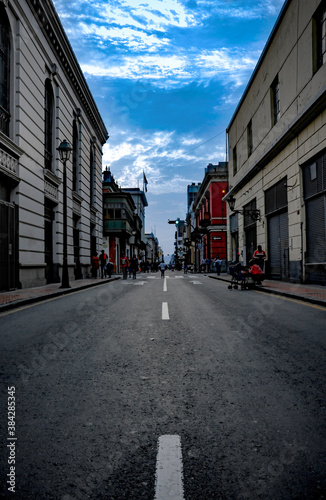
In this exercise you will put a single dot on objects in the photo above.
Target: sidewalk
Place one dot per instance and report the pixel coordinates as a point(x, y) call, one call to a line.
point(315, 294)
point(18, 298)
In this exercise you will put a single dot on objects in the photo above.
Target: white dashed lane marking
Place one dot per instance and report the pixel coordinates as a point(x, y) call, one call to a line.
point(169, 470)
point(165, 311)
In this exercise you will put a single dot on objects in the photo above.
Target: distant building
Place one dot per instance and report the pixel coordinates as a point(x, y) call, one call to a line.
point(192, 190)
point(210, 232)
point(140, 201)
point(277, 151)
point(119, 221)
point(123, 221)
point(152, 248)
point(44, 99)
point(190, 250)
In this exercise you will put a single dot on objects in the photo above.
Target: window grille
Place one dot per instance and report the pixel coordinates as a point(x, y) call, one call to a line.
point(275, 90)
point(320, 20)
point(249, 138)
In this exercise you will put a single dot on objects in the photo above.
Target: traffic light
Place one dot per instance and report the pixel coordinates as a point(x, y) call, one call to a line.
point(177, 221)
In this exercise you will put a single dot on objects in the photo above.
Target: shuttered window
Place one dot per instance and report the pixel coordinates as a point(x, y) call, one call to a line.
point(276, 197)
point(314, 184)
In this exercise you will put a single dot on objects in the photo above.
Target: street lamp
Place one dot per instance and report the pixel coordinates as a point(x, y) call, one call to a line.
point(254, 214)
point(64, 153)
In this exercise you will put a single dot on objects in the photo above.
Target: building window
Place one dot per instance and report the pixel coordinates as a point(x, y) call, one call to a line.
point(75, 150)
point(275, 100)
point(4, 71)
point(235, 160)
point(276, 197)
point(319, 31)
point(48, 125)
point(92, 175)
point(249, 138)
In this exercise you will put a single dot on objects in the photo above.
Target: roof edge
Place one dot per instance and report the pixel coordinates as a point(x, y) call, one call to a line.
point(260, 60)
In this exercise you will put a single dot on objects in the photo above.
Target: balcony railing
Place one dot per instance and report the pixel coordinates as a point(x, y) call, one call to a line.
point(116, 225)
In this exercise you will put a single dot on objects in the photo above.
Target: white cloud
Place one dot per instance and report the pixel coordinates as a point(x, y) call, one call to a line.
point(245, 9)
point(226, 60)
point(177, 70)
point(149, 67)
point(125, 36)
point(153, 15)
point(191, 141)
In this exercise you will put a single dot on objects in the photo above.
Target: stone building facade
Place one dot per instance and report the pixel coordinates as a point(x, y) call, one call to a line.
point(44, 99)
point(277, 150)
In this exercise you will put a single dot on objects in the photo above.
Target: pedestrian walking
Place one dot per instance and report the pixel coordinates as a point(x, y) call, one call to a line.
point(134, 266)
point(128, 269)
point(124, 266)
point(103, 259)
point(95, 263)
point(218, 264)
point(109, 268)
point(162, 268)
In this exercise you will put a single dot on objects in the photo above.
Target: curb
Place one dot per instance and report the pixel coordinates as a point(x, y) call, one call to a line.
point(281, 293)
point(39, 298)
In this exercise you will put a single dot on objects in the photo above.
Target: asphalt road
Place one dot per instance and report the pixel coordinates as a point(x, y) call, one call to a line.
point(100, 375)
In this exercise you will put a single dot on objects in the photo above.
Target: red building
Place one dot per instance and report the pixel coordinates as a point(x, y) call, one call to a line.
point(210, 213)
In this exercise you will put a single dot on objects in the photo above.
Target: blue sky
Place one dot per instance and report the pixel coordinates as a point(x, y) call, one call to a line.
point(167, 76)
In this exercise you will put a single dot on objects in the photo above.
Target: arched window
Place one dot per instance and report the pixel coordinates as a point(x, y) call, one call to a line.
point(4, 71)
point(75, 156)
point(48, 125)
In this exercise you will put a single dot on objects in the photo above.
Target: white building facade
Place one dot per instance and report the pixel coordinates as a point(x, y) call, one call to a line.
point(277, 151)
point(44, 99)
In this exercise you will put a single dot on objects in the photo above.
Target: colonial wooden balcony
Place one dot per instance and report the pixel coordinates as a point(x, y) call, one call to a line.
point(116, 226)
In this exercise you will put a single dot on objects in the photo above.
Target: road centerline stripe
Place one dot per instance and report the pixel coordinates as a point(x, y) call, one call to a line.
point(165, 287)
point(169, 470)
point(165, 311)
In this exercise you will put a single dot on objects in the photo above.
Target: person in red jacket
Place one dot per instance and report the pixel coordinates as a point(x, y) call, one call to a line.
point(260, 256)
point(95, 265)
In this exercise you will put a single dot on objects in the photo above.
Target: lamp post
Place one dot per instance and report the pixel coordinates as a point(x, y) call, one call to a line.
point(254, 214)
point(64, 153)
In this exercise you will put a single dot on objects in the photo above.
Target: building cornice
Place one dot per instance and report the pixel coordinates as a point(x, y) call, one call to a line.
point(261, 58)
point(50, 24)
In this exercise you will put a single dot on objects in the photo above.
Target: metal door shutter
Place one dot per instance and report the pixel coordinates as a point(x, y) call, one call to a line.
point(316, 230)
point(284, 244)
point(278, 251)
point(274, 248)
